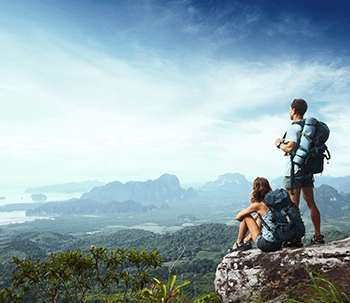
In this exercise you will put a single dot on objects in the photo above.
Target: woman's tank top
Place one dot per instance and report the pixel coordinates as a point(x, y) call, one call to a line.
point(267, 217)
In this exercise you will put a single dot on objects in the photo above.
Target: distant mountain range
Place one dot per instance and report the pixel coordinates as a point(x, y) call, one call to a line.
point(164, 189)
point(342, 184)
point(116, 197)
point(330, 202)
point(236, 185)
point(225, 184)
point(230, 184)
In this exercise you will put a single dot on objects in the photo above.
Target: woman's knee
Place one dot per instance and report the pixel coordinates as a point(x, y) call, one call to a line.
point(248, 217)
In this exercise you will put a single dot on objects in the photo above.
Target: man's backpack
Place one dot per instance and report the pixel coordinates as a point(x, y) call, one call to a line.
point(288, 224)
point(312, 149)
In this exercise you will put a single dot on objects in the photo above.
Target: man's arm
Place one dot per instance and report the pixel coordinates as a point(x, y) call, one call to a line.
point(288, 142)
point(286, 147)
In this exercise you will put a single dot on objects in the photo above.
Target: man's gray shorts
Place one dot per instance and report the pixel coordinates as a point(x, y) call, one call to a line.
point(301, 179)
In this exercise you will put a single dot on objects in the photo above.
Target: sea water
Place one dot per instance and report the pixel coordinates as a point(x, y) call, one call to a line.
point(17, 196)
point(9, 217)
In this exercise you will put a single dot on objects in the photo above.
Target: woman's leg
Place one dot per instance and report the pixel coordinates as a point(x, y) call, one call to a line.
point(252, 226)
point(248, 224)
point(249, 236)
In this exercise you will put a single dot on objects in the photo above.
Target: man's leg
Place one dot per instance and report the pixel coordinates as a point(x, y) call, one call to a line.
point(308, 194)
point(287, 184)
point(295, 197)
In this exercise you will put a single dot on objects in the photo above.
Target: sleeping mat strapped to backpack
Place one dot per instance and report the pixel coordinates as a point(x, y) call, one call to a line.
point(312, 148)
point(288, 223)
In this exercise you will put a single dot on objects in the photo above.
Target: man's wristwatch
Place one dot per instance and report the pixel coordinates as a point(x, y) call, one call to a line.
point(279, 144)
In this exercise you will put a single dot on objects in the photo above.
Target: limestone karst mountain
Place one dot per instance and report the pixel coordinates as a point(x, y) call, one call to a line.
point(164, 189)
point(331, 203)
point(230, 184)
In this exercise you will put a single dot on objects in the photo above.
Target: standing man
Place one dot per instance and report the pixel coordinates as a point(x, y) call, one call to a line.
point(302, 181)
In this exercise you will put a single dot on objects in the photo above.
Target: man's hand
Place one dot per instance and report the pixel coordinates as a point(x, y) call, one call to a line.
point(278, 142)
point(286, 147)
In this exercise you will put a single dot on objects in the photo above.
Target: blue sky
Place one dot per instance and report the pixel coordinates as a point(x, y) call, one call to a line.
point(129, 90)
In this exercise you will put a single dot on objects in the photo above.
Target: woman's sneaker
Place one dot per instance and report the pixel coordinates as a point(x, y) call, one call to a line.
point(317, 240)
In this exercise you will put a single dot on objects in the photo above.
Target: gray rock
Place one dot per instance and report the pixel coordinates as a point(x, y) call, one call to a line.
point(272, 274)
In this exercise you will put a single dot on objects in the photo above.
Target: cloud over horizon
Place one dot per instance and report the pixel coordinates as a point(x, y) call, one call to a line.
point(114, 91)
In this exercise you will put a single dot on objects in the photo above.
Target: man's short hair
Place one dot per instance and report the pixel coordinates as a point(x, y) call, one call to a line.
point(300, 106)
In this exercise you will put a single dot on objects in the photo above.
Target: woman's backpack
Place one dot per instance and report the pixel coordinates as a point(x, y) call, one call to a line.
point(288, 224)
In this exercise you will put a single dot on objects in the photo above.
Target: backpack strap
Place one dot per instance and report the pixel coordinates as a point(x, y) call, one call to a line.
point(292, 176)
point(263, 221)
point(265, 224)
point(265, 204)
point(302, 124)
point(327, 154)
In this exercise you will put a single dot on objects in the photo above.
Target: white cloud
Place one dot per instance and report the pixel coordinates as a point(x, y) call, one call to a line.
point(73, 114)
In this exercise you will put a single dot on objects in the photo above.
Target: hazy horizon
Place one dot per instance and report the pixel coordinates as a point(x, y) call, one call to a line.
point(184, 185)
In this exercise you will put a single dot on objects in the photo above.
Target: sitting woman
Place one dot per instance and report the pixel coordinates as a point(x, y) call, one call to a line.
point(261, 236)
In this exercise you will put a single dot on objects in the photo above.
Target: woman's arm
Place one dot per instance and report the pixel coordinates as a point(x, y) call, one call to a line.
point(251, 209)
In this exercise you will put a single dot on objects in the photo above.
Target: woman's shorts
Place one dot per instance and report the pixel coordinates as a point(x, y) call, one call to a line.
point(265, 245)
point(301, 179)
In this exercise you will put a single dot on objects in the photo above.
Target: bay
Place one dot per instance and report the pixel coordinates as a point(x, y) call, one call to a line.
point(10, 217)
point(18, 195)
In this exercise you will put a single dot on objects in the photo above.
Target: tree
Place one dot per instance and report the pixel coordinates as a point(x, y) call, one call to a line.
point(72, 276)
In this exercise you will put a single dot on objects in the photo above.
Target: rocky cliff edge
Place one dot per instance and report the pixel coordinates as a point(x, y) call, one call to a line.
point(269, 275)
